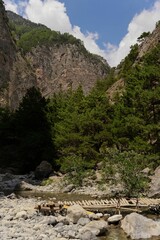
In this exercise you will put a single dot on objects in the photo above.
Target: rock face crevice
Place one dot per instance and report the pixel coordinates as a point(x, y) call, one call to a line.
point(51, 68)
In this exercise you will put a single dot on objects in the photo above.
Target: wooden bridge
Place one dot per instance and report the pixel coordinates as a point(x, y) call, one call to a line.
point(114, 203)
point(132, 204)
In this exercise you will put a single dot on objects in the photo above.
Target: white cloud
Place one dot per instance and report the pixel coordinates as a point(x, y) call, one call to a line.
point(53, 14)
point(143, 22)
point(11, 5)
point(89, 40)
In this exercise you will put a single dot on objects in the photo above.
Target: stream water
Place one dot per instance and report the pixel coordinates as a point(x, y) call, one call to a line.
point(114, 232)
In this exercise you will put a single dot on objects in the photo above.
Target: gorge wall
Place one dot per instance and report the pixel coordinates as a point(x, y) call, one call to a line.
point(51, 68)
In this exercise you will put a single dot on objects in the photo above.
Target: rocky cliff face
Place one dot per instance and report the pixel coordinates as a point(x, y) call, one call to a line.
point(150, 42)
point(7, 56)
point(51, 68)
point(63, 67)
point(14, 69)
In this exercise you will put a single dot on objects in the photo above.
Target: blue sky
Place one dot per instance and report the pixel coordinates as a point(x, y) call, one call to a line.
point(110, 18)
point(107, 27)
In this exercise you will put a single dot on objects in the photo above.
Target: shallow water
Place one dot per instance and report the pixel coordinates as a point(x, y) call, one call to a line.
point(115, 233)
point(58, 197)
point(118, 234)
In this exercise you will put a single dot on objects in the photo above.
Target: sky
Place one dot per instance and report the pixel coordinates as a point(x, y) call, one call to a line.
point(107, 27)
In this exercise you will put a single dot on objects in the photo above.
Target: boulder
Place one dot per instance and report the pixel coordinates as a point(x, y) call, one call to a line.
point(7, 177)
point(146, 171)
point(24, 186)
point(96, 228)
point(12, 196)
point(115, 218)
point(1, 194)
point(43, 170)
point(69, 188)
point(75, 212)
point(83, 221)
point(137, 226)
point(22, 214)
point(87, 235)
point(154, 190)
point(93, 216)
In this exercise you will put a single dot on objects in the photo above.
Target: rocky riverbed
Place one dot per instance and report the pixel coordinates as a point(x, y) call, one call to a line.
point(19, 219)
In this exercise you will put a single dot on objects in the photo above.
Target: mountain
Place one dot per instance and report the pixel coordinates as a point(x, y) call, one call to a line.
point(33, 55)
point(7, 54)
point(148, 42)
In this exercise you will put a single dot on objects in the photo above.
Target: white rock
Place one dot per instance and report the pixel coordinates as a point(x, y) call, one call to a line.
point(99, 215)
point(138, 226)
point(83, 221)
point(92, 216)
point(97, 228)
point(115, 218)
point(75, 212)
point(154, 190)
point(22, 214)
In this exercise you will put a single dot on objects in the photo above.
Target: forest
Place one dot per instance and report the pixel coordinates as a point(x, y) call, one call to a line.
point(75, 132)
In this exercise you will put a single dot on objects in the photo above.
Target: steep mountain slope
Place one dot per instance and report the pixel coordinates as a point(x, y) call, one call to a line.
point(149, 42)
point(14, 69)
point(43, 58)
point(7, 55)
point(136, 57)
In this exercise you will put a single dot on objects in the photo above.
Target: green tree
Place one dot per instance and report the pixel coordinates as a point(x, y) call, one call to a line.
point(33, 131)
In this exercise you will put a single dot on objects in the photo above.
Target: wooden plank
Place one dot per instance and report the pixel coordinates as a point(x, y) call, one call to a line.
point(97, 207)
point(106, 201)
point(133, 201)
point(131, 209)
point(79, 203)
point(89, 201)
point(86, 202)
point(144, 201)
point(125, 201)
point(102, 202)
point(113, 201)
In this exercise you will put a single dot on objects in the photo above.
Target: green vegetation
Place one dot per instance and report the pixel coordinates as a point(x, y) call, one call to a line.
point(143, 36)
point(42, 36)
point(25, 135)
point(28, 35)
point(75, 132)
point(129, 166)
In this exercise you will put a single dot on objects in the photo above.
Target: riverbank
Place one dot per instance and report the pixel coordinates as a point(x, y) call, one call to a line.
point(93, 185)
point(58, 184)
